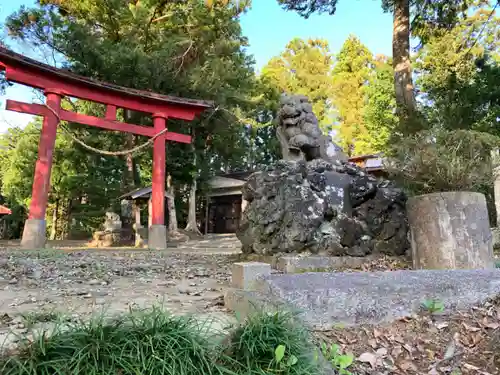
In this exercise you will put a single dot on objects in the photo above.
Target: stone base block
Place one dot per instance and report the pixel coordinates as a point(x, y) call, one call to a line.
point(106, 239)
point(157, 237)
point(247, 273)
point(326, 300)
point(245, 302)
point(141, 236)
point(34, 234)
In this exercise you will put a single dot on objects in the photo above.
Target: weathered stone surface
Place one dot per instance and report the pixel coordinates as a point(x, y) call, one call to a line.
point(327, 299)
point(314, 200)
point(141, 236)
point(299, 134)
point(245, 274)
point(34, 234)
point(112, 222)
point(450, 231)
point(300, 264)
point(157, 237)
point(316, 206)
point(106, 239)
point(112, 233)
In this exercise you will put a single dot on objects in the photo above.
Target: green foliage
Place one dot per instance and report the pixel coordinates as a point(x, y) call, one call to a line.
point(351, 75)
point(458, 74)
point(440, 160)
point(272, 343)
point(307, 7)
point(353, 89)
point(435, 18)
point(380, 109)
point(433, 306)
point(282, 363)
point(364, 99)
point(340, 362)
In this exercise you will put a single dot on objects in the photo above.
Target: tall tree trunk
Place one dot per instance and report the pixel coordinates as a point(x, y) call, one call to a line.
point(53, 229)
point(173, 226)
point(69, 220)
point(403, 83)
point(128, 177)
point(192, 225)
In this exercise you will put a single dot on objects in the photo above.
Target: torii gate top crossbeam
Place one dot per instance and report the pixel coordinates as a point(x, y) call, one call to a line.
point(26, 71)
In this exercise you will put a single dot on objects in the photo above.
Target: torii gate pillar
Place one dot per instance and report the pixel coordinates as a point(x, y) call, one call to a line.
point(157, 236)
point(35, 226)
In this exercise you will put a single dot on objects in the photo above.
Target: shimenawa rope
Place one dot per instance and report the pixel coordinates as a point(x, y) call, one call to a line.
point(105, 152)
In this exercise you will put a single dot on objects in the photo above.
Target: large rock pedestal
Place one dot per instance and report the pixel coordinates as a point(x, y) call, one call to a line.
point(324, 208)
point(450, 231)
point(106, 239)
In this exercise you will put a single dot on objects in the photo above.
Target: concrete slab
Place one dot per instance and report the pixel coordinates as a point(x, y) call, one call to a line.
point(328, 299)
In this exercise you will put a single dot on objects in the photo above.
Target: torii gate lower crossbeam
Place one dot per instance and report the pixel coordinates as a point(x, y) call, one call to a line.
point(57, 84)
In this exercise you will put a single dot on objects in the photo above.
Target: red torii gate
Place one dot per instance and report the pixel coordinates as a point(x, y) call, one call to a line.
point(57, 84)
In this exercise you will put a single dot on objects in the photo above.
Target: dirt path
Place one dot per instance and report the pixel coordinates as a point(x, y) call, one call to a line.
point(39, 286)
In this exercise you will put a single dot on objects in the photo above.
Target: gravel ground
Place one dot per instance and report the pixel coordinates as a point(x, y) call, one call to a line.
point(40, 287)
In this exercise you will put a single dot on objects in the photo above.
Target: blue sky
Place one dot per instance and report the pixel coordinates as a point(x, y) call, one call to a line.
point(268, 28)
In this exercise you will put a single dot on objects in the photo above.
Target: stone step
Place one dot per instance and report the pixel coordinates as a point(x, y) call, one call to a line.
point(326, 300)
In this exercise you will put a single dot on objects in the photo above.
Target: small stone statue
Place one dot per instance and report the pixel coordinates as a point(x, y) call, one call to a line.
point(112, 222)
point(299, 134)
point(111, 234)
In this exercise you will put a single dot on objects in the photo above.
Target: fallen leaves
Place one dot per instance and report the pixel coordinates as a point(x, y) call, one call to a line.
point(370, 358)
point(462, 343)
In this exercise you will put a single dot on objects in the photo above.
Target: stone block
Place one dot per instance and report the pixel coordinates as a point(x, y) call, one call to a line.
point(157, 237)
point(301, 264)
point(141, 236)
point(34, 234)
point(245, 274)
point(327, 299)
point(450, 230)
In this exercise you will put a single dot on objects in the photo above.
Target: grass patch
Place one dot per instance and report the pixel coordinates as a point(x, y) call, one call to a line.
point(137, 343)
point(272, 344)
point(33, 317)
point(153, 342)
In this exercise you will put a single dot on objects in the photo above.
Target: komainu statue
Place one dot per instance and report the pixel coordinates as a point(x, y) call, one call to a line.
point(299, 133)
point(314, 200)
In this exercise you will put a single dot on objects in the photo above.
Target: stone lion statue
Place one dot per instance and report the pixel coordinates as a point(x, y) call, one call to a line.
point(299, 134)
